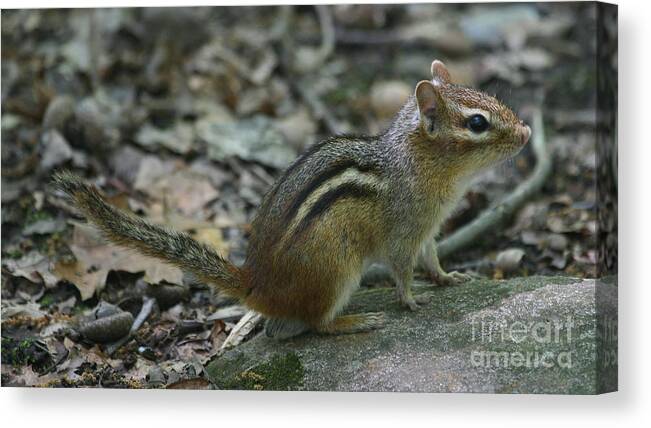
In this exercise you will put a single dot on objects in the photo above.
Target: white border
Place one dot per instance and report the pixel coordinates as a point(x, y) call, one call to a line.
point(630, 406)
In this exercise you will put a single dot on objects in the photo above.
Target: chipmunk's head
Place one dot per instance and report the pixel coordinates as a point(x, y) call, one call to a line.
point(472, 126)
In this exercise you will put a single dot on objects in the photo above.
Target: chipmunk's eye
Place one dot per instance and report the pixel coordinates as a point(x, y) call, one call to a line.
point(477, 123)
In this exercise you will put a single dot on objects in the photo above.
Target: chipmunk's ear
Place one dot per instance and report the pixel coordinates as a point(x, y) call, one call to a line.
point(429, 99)
point(440, 72)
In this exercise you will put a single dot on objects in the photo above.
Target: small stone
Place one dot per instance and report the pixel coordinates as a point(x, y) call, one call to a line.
point(125, 161)
point(90, 120)
point(388, 97)
point(557, 242)
point(529, 237)
point(45, 227)
point(56, 150)
point(509, 260)
point(491, 26)
point(298, 128)
point(559, 262)
point(58, 111)
point(107, 329)
point(168, 295)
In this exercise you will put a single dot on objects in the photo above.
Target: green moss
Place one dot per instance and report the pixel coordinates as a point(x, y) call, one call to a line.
point(33, 216)
point(13, 254)
point(24, 352)
point(81, 307)
point(46, 300)
point(281, 373)
point(337, 96)
point(452, 303)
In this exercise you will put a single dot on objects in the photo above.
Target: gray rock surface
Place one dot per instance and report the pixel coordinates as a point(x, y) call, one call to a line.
point(524, 335)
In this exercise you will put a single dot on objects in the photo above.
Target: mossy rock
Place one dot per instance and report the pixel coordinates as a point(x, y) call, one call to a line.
point(282, 372)
point(524, 335)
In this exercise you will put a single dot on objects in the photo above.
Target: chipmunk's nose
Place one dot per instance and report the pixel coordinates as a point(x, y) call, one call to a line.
point(526, 134)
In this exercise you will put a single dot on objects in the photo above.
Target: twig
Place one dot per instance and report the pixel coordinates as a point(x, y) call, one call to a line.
point(373, 38)
point(287, 59)
point(145, 310)
point(497, 215)
point(147, 306)
point(94, 48)
point(438, 37)
point(281, 23)
point(244, 326)
point(308, 60)
point(327, 31)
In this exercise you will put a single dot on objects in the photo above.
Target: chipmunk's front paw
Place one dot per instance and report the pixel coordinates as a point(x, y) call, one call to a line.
point(451, 278)
point(414, 302)
point(423, 299)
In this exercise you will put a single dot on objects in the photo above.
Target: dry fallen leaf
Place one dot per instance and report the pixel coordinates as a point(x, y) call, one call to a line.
point(140, 369)
point(22, 376)
point(96, 258)
point(151, 170)
point(29, 309)
point(32, 266)
point(185, 190)
point(157, 212)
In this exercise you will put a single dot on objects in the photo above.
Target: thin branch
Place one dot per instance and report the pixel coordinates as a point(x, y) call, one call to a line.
point(282, 22)
point(244, 326)
point(288, 60)
point(327, 30)
point(145, 311)
point(147, 306)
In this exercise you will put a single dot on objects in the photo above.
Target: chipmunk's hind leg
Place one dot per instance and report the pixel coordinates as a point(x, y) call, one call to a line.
point(356, 323)
point(284, 329)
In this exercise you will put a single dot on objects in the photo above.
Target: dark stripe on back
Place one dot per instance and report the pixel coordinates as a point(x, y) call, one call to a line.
point(308, 153)
point(318, 180)
point(299, 161)
point(270, 196)
point(328, 199)
point(316, 147)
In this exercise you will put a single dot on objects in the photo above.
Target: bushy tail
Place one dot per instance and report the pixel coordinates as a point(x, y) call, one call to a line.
point(171, 246)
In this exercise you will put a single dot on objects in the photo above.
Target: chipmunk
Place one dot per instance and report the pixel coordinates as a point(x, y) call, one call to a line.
point(344, 203)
